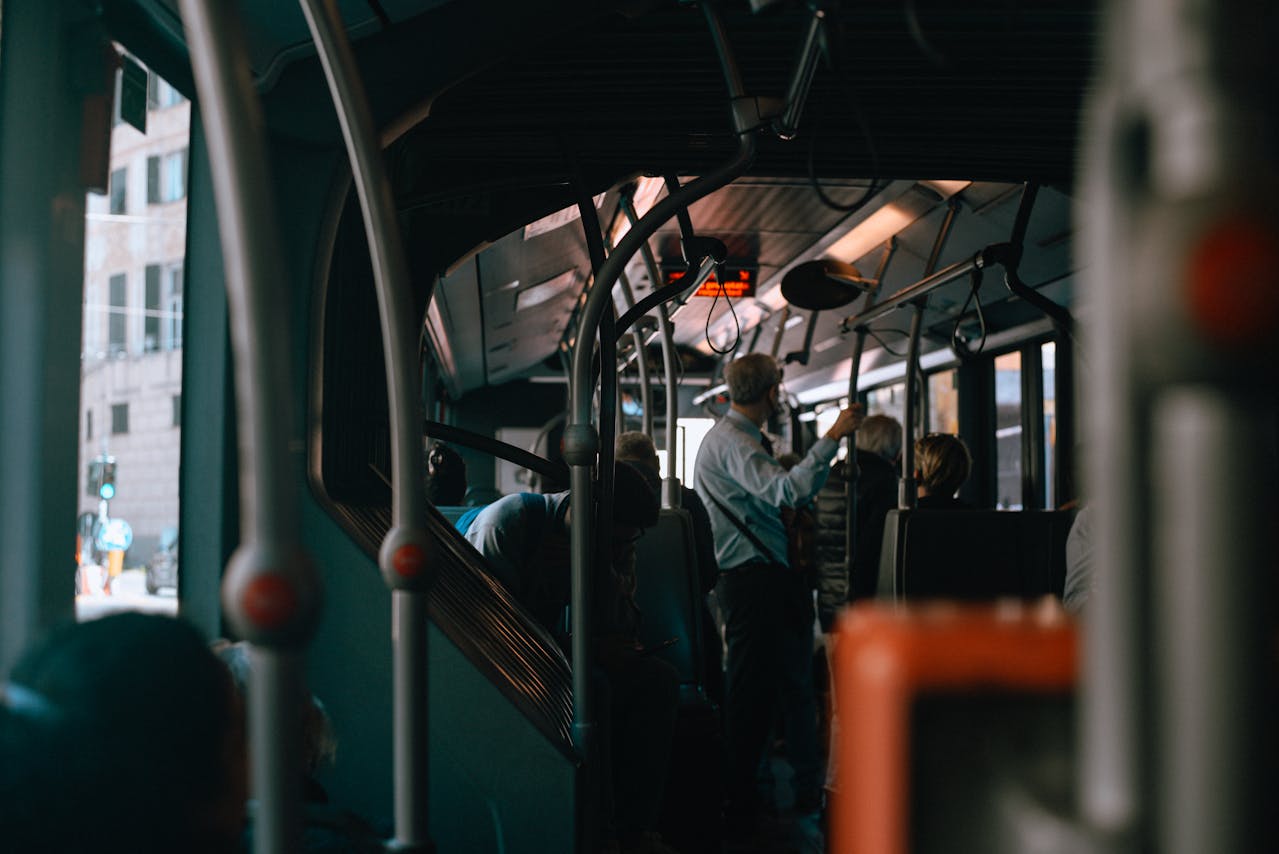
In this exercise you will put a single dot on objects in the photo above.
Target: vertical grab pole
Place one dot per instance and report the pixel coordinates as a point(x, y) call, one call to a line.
point(641, 356)
point(271, 592)
point(906, 485)
point(581, 440)
point(906, 488)
point(404, 557)
point(852, 471)
point(670, 487)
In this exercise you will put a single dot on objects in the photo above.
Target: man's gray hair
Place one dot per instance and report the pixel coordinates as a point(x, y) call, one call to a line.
point(880, 434)
point(636, 447)
point(750, 377)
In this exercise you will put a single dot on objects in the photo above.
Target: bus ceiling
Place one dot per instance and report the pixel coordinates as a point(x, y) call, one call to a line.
point(485, 143)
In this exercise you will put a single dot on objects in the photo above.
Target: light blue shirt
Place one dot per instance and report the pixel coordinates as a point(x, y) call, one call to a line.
point(509, 531)
point(733, 468)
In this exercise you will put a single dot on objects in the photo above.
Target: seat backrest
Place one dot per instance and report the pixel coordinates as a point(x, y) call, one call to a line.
point(973, 554)
point(667, 594)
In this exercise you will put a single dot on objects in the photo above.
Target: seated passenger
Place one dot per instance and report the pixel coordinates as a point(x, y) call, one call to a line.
point(139, 717)
point(942, 464)
point(445, 476)
point(525, 538)
point(327, 828)
point(638, 450)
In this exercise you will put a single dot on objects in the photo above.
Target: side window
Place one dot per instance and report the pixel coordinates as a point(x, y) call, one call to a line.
point(1008, 431)
point(131, 370)
point(888, 400)
point(1048, 356)
point(119, 419)
point(118, 189)
point(118, 314)
point(151, 320)
point(943, 402)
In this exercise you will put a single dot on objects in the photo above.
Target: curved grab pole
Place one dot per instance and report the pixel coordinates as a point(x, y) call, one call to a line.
point(670, 486)
point(404, 557)
point(641, 357)
point(271, 591)
point(906, 487)
point(581, 441)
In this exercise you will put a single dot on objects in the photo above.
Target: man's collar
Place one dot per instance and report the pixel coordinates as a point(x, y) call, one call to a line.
point(741, 421)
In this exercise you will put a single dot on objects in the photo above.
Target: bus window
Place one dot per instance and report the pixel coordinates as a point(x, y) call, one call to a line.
point(691, 432)
point(1008, 431)
point(943, 402)
point(888, 400)
point(1048, 355)
point(131, 368)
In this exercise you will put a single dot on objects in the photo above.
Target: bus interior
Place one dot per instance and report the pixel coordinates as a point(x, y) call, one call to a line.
point(1048, 227)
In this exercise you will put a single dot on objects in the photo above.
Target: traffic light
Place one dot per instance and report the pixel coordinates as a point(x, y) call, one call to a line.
point(106, 489)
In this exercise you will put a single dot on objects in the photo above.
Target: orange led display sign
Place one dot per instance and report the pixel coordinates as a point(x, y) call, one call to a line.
point(733, 282)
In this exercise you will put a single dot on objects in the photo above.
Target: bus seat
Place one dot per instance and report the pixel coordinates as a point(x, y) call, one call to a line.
point(668, 596)
point(973, 555)
point(960, 722)
point(478, 496)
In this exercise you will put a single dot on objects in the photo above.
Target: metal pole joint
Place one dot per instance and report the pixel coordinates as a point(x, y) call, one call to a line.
point(581, 444)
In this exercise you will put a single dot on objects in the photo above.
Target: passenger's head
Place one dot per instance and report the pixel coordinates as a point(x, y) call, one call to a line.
point(882, 435)
point(753, 379)
point(318, 742)
point(635, 507)
point(637, 449)
point(152, 715)
point(942, 464)
point(635, 504)
point(445, 476)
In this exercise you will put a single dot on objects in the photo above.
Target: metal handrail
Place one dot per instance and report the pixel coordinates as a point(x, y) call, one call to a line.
point(851, 469)
point(670, 487)
point(404, 557)
point(581, 441)
point(641, 357)
point(992, 254)
point(271, 591)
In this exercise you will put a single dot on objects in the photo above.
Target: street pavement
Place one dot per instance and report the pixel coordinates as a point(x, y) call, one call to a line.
point(128, 593)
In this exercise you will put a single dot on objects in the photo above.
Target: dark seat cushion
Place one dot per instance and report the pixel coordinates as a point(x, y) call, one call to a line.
point(973, 554)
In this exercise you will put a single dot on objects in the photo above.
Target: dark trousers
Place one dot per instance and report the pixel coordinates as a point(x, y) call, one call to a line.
point(637, 697)
point(768, 614)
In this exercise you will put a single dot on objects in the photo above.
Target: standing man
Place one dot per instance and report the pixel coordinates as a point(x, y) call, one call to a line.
point(768, 607)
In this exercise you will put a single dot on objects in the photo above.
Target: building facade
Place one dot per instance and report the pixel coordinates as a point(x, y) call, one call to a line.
point(131, 354)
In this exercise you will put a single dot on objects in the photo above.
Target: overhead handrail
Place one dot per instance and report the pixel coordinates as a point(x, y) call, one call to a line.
point(552, 469)
point(581, 441)
point(801, 81)
point(1059, 314)
point(404, 557)
point(271, 591)
point(670, 486)
point(996, 253)
point(662, 295)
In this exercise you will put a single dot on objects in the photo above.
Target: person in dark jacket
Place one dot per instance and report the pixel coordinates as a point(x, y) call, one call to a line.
point(878, 447)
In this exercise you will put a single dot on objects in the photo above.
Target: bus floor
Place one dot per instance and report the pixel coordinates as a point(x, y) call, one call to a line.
point(783, 831)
